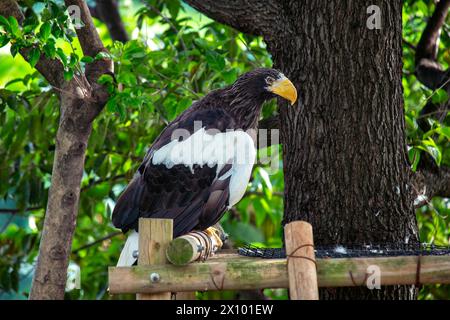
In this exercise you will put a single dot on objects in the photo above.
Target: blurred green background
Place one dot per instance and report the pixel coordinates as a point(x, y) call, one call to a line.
point(175, 56)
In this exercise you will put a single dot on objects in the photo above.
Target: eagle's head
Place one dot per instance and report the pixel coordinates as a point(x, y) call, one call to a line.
point(264, 84)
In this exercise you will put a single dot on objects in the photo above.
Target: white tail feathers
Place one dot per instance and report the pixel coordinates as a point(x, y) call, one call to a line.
point(126, 258)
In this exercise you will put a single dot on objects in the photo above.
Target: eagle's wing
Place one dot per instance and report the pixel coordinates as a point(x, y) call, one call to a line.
point(194, 171)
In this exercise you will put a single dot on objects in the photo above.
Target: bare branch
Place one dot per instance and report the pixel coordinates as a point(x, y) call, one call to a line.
point(16, 211)
point(99, 181)
point(92, 45)
point(107, 11)
point(409, 44)
point(93, 243)
point(428, 70)
point(51, 69)
point(248, 16)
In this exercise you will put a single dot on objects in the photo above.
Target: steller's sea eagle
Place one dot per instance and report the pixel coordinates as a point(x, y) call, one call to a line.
point(201, 163)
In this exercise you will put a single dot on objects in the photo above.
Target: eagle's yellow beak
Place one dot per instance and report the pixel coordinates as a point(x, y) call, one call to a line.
point(285, 89)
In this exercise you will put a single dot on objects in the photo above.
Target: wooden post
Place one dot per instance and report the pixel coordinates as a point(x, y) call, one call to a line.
point(154, 237)
point(301, 265)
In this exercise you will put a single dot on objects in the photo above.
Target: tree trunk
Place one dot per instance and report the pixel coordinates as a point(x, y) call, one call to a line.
point(82, 99)
point(345, 162)
point(71, 141)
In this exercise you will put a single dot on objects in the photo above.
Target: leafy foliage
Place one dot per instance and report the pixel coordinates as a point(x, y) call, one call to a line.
point(425, 133)
point(175, 57)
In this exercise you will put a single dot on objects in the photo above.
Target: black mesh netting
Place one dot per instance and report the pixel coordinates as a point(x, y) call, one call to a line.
point(338, 251)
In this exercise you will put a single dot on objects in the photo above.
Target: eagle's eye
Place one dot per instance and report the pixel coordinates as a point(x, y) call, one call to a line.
point(270, 80)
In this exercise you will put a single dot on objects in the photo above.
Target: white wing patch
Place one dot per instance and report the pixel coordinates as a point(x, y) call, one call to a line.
point(214, 148)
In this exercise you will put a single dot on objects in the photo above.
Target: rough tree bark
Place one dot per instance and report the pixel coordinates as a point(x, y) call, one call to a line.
point(345, 160)
point(81, 101)
point(346, 164)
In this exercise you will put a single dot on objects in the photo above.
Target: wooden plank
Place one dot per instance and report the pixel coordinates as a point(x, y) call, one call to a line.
point(301, 261)
point(232, 272)
point(154, 238)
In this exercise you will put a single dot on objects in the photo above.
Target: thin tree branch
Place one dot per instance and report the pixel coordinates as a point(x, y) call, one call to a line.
point(167, 20)
point(428, 70)
point(99, 181)
point(107, 11)
point(91, 45)
point(16, 211)
point(409, 44)
point(51, 69)
point(91, 184)
point(93, 243)
point(248, 16)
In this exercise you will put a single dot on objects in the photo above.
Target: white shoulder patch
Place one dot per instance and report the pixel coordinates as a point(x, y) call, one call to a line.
point(214, 148)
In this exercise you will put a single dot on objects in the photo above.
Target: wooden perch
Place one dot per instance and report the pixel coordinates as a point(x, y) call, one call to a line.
point(197, 245)
point(233, 272)
point(301, 263)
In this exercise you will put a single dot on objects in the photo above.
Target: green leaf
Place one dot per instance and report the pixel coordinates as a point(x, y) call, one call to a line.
point(68, 74)
point(184, 104)
point(61, 54)
point(113, 105)
point(34, 56)
point(431, 148)
point(110, 105)
point(105, 78)
point(174, 7)
point(3, 40)
point(14, 49)
point(440, 96)
point(45, 31)
point(5, 23)
point(14, 26)
point(87, 59)
point(230, 76)
point(414, 158)
point(445, 131)
point(73, 60)
point(261, 212)
point(50, 50)
point(56, 31)
point(202, 43)
point(215, 61)
point(46, 14)
point(103, 55)
point(127, 78)
point(99, 191)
